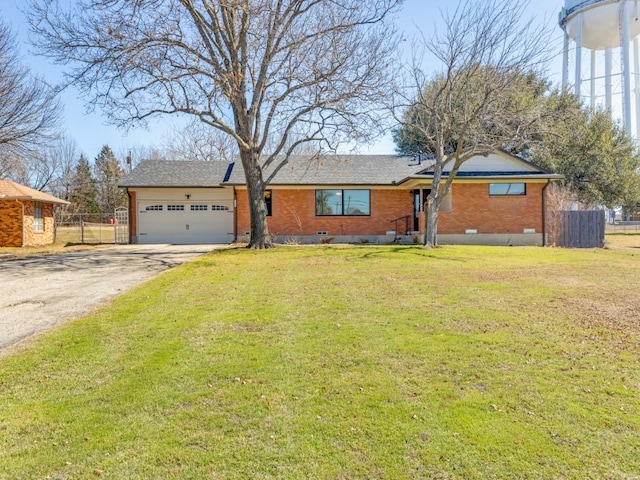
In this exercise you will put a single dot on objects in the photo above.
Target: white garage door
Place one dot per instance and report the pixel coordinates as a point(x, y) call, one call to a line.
point(185, 222)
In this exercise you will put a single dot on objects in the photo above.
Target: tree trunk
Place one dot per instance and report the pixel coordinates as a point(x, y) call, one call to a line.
point(431, 224)
point(260, 238)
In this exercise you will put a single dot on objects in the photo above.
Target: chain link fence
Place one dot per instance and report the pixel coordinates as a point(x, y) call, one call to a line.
point(89, 228)
point(626, 227)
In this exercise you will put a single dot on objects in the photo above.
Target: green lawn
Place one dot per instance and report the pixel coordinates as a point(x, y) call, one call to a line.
point(342, 363)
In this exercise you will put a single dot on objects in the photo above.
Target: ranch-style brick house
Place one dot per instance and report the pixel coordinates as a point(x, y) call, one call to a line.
point(26, 216)
point(498, 199)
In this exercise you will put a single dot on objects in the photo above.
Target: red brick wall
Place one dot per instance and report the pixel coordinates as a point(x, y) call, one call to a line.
point(294, 213)
point(44, 237)
point(10, 223)
point(474, 208)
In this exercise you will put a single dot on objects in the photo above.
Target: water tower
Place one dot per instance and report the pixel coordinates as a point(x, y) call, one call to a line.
point(602, 27)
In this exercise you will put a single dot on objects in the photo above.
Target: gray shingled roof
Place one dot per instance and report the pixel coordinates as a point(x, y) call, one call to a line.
point(174, 173)
point(339, 170)
point(300, 170)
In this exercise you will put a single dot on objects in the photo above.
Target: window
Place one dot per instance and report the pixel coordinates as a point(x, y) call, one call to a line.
point(507, 189)
point(198, 208)
point(342, 202)
point(219, 208)
point(267, 201)
point(175, 208)
point(153, 208)
point(38, 221)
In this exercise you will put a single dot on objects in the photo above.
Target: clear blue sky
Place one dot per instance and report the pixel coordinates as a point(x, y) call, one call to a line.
point(91, 133)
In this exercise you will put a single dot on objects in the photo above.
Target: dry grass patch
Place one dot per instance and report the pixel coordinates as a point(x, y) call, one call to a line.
point(622, 240)
point(342, 362)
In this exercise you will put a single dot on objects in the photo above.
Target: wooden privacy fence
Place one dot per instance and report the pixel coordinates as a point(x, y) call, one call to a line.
point(577, 229)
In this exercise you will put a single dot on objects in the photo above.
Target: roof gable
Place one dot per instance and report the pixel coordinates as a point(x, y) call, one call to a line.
point(496, 164)
point(498, 161)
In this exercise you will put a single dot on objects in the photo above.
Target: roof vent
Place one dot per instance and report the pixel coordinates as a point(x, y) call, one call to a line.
point(420, 157)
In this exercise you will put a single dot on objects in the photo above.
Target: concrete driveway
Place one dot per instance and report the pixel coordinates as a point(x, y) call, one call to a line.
point(39, 293)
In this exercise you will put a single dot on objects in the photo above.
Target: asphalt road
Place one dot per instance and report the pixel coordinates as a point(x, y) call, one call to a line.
point(39, 293)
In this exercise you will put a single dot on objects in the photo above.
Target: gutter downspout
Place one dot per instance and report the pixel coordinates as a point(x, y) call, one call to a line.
point(130, 217)
point(235, 214)
point(544, 213)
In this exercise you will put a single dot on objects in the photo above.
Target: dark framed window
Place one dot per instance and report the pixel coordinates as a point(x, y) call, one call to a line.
point(268, 194)
point(38, 219)
point(175, 208)
point(343, 202)
point(507, 189)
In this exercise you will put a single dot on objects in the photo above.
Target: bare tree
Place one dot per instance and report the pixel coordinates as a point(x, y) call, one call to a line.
point(38, 171)
point(197, 141)
point(49, 169)
point(29, 109)
point(64, 154)
point(488, 94)
point(11, 167)
point(134, 154)
point(257, 70)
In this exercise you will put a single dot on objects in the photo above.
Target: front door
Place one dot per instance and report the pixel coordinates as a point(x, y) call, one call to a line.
point(418, 206)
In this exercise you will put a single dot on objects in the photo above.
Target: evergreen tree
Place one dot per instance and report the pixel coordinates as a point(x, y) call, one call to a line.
point(108, 173)
point(83, 190)
point(593, 152)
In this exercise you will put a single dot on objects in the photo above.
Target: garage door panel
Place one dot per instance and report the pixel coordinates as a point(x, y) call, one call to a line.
point(184, 222)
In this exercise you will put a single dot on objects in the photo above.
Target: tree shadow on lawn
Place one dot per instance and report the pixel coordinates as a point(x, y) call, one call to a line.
point(411, 250)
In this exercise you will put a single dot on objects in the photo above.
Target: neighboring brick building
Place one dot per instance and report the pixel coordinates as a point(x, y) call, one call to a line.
point(26, 216)
point(497, 199)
